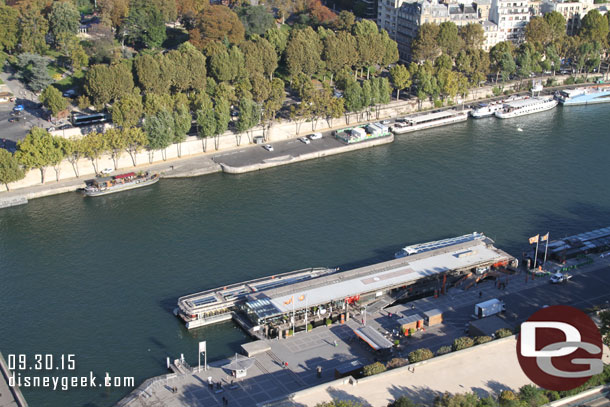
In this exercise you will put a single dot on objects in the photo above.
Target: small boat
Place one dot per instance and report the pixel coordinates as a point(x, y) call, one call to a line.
point(519, 129)
point(117, 183)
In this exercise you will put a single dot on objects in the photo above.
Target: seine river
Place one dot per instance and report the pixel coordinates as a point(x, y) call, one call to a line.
point(98, 278)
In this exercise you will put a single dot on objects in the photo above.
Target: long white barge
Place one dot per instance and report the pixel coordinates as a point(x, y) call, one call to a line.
point(526, 106)
point(429, 120)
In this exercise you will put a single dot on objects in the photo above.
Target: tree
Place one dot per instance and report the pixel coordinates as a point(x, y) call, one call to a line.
point(340, 51)
point(425, 46)
point(182, 124)
point(33, 29)
point(73, 151)
point(402, 401)
point(10, 170)
point(127, 111)
point(53, 100)
point(473, 35)
point(135, 139)
point(38, 150)
point(373, 368)
point(497, 56)
point(78, 56)
point(557, 25)
point(419, 355)
point(222, 114)
point(116, 143)
point(503, 333)
point(259, 56)
point(168, 9)
point(216, 22)
point(462, 343)
point(206, 122)
point(105, 83)
point(93, 146)
point(538, 32)
point(594, 27)
point(256, 19)
point(64, 21)
point(33, 71)
point(320, 12)
point(113, 11)
point(278, 38)
point(370, 44)
point(193, 62)
point(303, 52)
point(9, 28)
point(345, 21)
point(144, 26)
point(448, 39)
point(532, 396)
point(160, 132)
point(249, 116)
point(604, 329)
point(507, 398)
point(148, 73)
point(274, 102)
point(353, 98)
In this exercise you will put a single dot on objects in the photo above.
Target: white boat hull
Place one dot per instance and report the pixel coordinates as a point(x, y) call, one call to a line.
point(450, 120)
point(543, 107)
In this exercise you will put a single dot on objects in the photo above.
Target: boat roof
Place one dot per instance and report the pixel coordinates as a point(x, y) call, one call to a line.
point(525, 102)
point(375, 277)
point(430, 116)
point(103, 179)
point(129, 174)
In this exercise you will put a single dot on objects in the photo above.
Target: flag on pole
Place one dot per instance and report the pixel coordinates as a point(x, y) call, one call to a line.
point(534, 239)
point(544, 238)
point(288, 302)
point(302, 297)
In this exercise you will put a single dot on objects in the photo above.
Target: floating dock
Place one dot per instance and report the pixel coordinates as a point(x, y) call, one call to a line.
point(279, 305)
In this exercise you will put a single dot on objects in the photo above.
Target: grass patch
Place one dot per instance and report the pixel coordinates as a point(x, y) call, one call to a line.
point(71, 82)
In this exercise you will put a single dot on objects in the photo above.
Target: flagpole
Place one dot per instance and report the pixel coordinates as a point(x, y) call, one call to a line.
point(546, 248)
point(305, 313)
point(536, 255)
point(294, 332)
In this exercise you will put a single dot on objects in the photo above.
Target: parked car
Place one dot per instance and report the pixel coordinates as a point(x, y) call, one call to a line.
point(268, 147)
point(15, 119)
point(560, 278)
point(69, 93)
point(50, 129)
point(18, 108)
point(106, 171)
point(304, 140)
point(386, 122)
point(315, 136)
point(64, 127)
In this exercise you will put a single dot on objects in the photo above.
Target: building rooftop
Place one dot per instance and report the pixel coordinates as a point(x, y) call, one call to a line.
point(376, 277)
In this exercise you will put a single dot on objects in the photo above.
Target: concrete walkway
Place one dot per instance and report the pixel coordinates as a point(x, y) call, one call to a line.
point(485, 369)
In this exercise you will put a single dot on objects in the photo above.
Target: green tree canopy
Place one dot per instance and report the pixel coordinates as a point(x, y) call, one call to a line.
point(159, 130)
point(594, 27)
point(557, 25)
point(340, 51)
point(473, 35)
point(401, 78)
point(39, 150)
point(53, 100)
point(106, 83)
point(64, 21)
point(303, 52)
point(33, 29)
point(538, 32)
point(33, 71)
point(448, 39)
point(256, 19)
point(9, 28)
point(10, 170)
point(127, 111)
point(144, 26)
point(425, 46)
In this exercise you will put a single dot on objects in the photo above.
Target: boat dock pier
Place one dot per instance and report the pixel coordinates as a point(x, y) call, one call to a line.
point(280, 305)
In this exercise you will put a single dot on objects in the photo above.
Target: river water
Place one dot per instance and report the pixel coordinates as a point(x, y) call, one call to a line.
point(98, 278)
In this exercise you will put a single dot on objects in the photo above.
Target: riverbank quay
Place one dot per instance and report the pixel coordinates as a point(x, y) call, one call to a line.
point(281, 130)
point(337, 345)
point(242, 160)
point(9, 396)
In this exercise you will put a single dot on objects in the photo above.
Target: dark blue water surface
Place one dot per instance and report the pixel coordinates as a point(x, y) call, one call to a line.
point(99, 277)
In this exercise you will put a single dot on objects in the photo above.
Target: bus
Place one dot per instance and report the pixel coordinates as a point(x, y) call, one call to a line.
point(87, 119)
